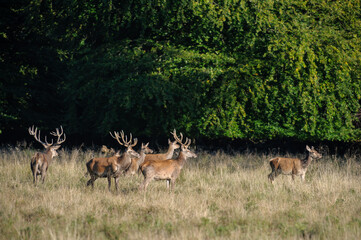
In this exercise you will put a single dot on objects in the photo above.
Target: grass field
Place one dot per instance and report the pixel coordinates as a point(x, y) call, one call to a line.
point(217, 196)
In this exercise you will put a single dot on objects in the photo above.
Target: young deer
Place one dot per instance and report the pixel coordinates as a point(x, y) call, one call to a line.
point(168, 170)
point(292, 166)
point(41, 160)
point(108, 167)
point(134, 166)
point(163, 156)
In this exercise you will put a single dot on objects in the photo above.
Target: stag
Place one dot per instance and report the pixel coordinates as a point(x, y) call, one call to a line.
point(292, 166)
point(41, 160)
point(112, 167)
point(134, 166)
point(167, 169)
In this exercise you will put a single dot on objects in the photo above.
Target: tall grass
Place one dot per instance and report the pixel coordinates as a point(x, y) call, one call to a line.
point(217, 196)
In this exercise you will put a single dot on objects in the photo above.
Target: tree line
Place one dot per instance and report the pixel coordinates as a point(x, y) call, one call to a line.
point(233, 69)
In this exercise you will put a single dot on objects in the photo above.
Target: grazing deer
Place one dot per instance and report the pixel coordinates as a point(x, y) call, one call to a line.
point(168, 170)
point(292, 166)
point(163, 156)
point(108, 167)
point(134, 166)
point(41, 160)
point(107, 150)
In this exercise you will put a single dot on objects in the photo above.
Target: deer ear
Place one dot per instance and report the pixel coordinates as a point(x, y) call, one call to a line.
point(146, 145)
point(169, 141)
point(308, 148)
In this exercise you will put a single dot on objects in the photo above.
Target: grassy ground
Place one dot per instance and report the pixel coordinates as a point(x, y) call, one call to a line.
point(217, 196)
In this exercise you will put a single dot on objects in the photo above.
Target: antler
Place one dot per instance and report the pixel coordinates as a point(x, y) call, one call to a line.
point(174, 133)
point(125, 142)
point(187, 142)
point(33, 132)
point(58, 134)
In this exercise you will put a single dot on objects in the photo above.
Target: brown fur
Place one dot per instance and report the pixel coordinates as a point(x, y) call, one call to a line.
point(134, 166)
point(110, 167)
point(164, 169)
point(292, 166)
point(41, 160)
point(162, 156)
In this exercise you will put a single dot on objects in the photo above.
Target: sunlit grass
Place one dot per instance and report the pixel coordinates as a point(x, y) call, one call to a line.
point(216, 196)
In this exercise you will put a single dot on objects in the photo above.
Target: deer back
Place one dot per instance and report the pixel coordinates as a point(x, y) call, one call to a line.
point(286, 164)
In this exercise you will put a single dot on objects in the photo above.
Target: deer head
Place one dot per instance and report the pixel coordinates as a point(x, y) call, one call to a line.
point(126, 143)
point(146, 149)
point(313, 153)
point(184, 146)
point(49, 147)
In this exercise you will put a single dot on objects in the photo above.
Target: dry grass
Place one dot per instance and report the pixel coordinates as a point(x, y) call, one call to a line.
point(217, 196)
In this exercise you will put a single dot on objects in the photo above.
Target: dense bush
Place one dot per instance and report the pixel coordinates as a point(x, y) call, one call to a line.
point(234, 69)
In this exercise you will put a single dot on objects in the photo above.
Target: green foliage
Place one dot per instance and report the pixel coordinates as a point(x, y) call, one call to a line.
point(233, 69)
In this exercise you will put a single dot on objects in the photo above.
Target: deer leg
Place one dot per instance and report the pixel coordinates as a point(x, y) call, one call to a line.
point(116, 180)
point(35, 173)
point(43, 172)
point(271, 176)
point(145, 183)
point(172, 183)
point(91, 181)
point(303, 177)
point(109, 182)
point(168, 183)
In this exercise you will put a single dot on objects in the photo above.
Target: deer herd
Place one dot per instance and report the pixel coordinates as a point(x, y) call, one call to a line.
point(160, 166)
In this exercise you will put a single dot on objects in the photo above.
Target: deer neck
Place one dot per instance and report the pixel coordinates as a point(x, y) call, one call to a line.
point(125, 157)
point(169, 153)
point(142, 157)
point(48, 156)
point(182, 158)
point(306, 162)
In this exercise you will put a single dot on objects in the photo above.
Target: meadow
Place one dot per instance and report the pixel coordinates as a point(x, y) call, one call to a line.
point(217, 196)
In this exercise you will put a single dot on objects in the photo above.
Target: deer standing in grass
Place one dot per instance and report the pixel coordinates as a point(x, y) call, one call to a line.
point(292, 166)
point(134, 166)
point(168, 170)
point(41, 160)
point(108, 167)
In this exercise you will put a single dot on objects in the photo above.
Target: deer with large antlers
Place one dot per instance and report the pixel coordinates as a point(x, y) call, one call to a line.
point(112, 167)
point(168, 170)
point(41, 160)
point(172, 145)
point(134, 166)
point(292, 166)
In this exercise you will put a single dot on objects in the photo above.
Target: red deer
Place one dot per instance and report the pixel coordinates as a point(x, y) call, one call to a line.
point(168, 170)
point(41, 160)
point(292, 166)
point(108, 167)
point(163, 156)
point(134, 166)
